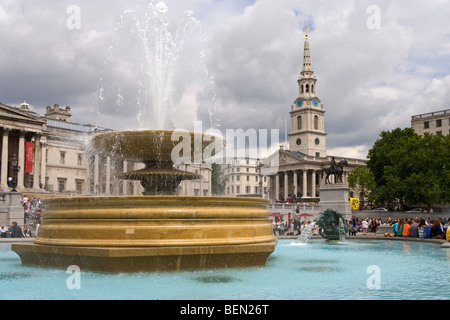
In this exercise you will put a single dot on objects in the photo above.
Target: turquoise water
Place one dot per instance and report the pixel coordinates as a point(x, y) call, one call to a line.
point(356, 269)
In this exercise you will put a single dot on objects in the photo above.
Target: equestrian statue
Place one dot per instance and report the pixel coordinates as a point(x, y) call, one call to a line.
point(336, 169)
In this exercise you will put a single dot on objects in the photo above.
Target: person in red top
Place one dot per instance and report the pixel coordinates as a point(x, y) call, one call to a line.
point(407, 229)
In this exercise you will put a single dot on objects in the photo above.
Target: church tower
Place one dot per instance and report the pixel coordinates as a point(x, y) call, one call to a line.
point(307, 114)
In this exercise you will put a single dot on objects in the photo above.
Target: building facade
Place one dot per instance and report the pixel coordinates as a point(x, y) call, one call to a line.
point(244, 179)
point(53, 157)
point(437, 122)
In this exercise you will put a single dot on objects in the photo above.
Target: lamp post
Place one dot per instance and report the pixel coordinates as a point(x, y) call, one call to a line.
point(15, 169)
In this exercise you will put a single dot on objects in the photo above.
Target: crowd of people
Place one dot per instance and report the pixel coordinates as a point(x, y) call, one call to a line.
point(436, 228)
point(413, 227)
point(32, 209)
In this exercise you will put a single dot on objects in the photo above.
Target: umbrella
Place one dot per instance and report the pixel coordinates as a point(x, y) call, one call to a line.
point(305, 215)
point(276, 214)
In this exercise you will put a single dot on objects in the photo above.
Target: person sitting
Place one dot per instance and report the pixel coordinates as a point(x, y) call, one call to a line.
point(407, 229)
point(4, 232)
point(435, 232)
point(16, 230)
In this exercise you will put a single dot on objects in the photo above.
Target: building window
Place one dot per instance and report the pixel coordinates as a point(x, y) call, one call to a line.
point(247, 189)
point(248, 178)
point(238, 178)
point(61, 184)
point(62, 157)
point(247, 169)
point(299, 123)
point(79, 186)
point(80, 160)
point(439, 123)
point(196, 192)
point(307, 88)
point(426, 125)
point(316, 122)
point(238, 189)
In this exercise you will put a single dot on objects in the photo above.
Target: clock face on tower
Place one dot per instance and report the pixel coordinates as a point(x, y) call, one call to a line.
point(316, 102)
point(299, 103)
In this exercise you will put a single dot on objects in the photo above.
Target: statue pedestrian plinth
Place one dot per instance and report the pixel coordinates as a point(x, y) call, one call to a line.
point(336, 196)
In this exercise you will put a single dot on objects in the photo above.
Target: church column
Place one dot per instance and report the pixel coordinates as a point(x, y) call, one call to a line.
point(37, 162)
point(313, 183)
point(277, 186)
point(295, 184)
point(305, 183)
point(20, 174)
point(4, 169)
point(286, 185)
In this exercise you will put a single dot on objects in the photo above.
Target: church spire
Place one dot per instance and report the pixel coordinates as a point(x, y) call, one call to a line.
point(306, 55)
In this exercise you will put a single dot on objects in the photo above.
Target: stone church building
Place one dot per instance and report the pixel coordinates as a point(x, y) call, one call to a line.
point(298, 169)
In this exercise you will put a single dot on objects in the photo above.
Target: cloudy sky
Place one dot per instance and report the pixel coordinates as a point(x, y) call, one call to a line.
point(232, 64)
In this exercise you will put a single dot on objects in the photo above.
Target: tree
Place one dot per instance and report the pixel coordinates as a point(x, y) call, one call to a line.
point(410, 168)
point(362, 178)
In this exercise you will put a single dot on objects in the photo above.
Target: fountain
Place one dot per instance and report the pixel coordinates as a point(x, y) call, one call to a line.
point(306, 234)
point(332, 225)
point(158, 230)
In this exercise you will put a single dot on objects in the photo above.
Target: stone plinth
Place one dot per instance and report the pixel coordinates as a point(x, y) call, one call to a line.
point(336, 196)
point(11, 208)
point(122, 234)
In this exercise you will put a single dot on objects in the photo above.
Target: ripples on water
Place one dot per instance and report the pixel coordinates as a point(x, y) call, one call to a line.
point(408, 270)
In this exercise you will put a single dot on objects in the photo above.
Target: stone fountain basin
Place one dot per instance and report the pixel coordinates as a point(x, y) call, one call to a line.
point(145, 145)
point(140, 233)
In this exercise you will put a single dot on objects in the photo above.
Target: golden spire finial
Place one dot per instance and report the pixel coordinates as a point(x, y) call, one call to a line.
point(306, 30)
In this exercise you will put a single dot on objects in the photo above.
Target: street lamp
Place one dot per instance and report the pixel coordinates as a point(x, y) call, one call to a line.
point(15, 169)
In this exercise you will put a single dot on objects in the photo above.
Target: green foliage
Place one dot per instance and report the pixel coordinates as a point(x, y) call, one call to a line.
point(362, 179)
point(410, 168)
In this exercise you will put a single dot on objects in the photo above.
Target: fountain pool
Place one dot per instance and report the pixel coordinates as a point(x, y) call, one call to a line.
point(316, 270)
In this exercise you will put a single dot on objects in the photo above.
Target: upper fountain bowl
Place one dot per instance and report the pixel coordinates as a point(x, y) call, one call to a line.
point(148, 145)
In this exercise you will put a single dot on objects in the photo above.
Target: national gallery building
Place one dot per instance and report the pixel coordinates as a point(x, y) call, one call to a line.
point(50, 155)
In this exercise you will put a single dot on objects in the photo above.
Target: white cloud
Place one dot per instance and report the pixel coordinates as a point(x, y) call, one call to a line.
point(369, 80)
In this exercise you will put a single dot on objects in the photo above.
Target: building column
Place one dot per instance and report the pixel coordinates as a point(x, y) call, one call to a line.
point(295, 183)
point(277, 186)
point(313, 184)
point(43, 162)
point(108, 176)
point(305, 183)
point(125, 182)
point(37, 162)
point(4, 169)
point(286, 185)
point(96, 174)
point(21, 163)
